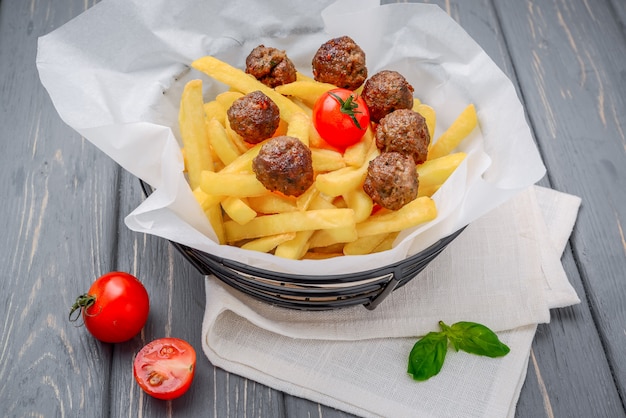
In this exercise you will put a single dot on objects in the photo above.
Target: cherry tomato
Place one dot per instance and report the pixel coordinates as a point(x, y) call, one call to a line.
point(115, 308)
point(341, 117)
point(164, 368)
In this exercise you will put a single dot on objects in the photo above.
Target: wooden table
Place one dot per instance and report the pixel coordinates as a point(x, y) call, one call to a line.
point(63, 203)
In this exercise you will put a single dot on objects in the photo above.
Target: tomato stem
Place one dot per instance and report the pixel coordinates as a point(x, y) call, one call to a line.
point(82, 302)
point(348, 107)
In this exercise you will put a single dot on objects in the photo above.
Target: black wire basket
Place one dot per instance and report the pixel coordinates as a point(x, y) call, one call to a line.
point(313, 292)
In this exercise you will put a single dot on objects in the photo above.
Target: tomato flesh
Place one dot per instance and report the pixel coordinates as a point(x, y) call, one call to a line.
point(119, 309)
point(336, 124)
point(164, 368)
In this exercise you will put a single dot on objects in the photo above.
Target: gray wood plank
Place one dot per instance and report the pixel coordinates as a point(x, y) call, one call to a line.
point(58, 218)
point(570, 61)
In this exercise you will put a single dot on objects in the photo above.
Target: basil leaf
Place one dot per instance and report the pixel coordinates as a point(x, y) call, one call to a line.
point(475, 338)
point(427, 356)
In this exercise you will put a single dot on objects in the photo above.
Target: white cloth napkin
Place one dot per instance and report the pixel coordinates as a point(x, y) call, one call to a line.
point(503, 271)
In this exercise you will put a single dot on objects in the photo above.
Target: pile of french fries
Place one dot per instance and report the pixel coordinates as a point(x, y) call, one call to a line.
point(335, 217)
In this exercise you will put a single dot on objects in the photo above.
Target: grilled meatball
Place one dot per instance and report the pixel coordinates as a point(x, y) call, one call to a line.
point(284, 164)
point(391, 180)
point(385, 92)
point(404, 131)
point(270, 66)
point(254, 117)
point(341, 62)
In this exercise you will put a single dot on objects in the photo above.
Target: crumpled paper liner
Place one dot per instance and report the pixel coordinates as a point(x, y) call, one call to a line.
point(116, 72)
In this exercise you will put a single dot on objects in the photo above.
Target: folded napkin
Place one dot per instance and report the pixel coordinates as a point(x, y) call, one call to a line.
point(503, 271)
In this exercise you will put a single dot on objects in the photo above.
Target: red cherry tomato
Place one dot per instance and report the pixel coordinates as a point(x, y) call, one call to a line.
point(341, 117)
point(115, 308)
point(164, 368)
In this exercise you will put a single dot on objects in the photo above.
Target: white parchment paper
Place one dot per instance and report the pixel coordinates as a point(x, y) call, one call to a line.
point(116, 72)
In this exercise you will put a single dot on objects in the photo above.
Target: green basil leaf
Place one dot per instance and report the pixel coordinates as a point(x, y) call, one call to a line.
point(476, 339)
point(427, 356)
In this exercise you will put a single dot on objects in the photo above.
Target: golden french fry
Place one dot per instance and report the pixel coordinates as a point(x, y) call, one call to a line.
point(289, 222)
point(232, 184)
point(214, 110)
point(387, 243)
point(193, 132)
point(307, 91)
point(360, 203)
point(420, 210)
point(235, 138)
point(303, 77)
point(238, 210)
point(272, 203)
point(452, 137)
point(224, 148)
point(435, 172)
point(341, 181)
point(268, 243)
point(213, 213)
point(299, 127)
point(294, 249)
point(326, 160)
point(245, 83)
point(303, 202)
point(356, 154)
point(331, 236)
point(431, 118)
point(227, 98)
point(364, 245)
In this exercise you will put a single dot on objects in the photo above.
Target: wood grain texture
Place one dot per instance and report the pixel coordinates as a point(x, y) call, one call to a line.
point(64, 204)
point(570, 59)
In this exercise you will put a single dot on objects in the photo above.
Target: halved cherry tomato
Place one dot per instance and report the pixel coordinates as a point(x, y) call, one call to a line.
point(115, 308)
point(164, 368)
point(341, 117)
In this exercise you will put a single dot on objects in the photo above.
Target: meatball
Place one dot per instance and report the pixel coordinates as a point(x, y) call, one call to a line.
point(404, 131)
point(385, 92)
point(270, 66)
point(254, 117)
point(391, 180)
point(284, 164)
point(341, 62)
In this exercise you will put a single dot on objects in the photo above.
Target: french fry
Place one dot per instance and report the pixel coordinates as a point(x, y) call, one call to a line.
point(272, 203)
point(299, 127)
point(268, 243)
point(360, 203)
point(306, 90)
point(193, 132)
point(326, 160)
point(431, 118)
point(288, 222)
point(245, 83)
point(463, 125)
point(232, 184)
point(238, 210)
point(227, 98)
point(356, 154)
point(414, 213)
point(214, 110)
point(295, 248)
point(341, 181)
point(225, 149)
point(387, 243)
point(364, 245)
point(213, 214)
point(235, 138)
point(435, 172)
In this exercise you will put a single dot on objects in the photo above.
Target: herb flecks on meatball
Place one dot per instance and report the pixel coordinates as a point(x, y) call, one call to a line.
point(340, 61)
point(255, 117)
point(391, 180)
point(284, 164)
point(404, 131)
point(385, 92)
point(270, 66)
